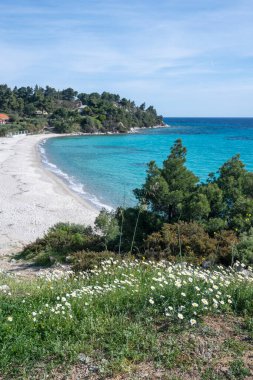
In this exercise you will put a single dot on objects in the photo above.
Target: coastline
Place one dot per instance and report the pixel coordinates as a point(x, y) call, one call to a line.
point(33, 198)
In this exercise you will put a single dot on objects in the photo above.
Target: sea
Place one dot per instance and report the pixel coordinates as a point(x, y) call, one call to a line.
point(104, 169)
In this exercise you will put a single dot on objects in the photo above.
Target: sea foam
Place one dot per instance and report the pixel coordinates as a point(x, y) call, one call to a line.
point(71, 181)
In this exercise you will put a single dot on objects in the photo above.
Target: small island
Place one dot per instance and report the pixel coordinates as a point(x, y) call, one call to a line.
point(38, 109)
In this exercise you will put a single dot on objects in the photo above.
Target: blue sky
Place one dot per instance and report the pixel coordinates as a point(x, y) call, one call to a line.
point(185, 57)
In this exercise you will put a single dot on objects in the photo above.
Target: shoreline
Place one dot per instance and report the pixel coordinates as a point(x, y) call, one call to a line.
point(73, 186)
point(64, 178)
point(33, 198)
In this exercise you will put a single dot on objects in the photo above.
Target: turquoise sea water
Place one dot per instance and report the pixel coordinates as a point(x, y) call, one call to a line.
point(105, 169)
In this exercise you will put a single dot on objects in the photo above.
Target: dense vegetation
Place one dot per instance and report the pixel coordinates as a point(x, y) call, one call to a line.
point(126, 319)
point(69, 111)
point(177, 218)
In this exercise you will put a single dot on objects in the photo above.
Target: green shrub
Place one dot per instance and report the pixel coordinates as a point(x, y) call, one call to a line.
point(31, 250)
point(191, 241)
point(188, 239)
point(44, 259)
point(244, 249)
point(60, 241)
point(226, 246)
point(214, 225)
point(85, 261)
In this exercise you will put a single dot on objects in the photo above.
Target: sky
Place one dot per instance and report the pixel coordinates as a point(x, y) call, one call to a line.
point(184, 57)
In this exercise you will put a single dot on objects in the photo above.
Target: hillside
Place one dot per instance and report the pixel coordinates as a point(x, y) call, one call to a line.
point(65, 111)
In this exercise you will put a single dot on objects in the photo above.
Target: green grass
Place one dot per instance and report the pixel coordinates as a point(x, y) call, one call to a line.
point(120, 315)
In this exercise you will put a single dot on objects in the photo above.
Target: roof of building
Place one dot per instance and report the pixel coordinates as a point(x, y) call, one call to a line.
point(3, 116)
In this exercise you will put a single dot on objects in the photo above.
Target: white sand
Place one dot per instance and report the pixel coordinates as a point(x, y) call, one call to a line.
point(32, 199)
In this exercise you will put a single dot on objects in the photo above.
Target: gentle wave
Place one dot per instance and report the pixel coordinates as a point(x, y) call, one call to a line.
point(72, 182)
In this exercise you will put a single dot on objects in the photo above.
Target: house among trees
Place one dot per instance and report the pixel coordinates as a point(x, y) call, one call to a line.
point(4, 118)
point(41, 112)
point(79, 106)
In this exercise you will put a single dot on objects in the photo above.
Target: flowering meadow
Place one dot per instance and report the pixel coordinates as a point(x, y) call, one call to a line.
point(117, 315)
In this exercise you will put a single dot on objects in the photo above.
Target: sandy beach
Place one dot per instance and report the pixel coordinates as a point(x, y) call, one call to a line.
point(32, 199)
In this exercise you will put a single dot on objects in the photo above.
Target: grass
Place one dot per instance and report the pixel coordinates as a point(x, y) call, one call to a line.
point(123, 316)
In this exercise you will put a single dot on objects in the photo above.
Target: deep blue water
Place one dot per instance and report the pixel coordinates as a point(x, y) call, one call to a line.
point(105, 169)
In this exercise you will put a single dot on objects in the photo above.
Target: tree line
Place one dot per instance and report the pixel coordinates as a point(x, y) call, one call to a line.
point(67, 111)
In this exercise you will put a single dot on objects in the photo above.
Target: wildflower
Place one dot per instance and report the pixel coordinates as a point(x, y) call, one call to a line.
point(180, 316)
point(183, 294)
point(4, 288)
point(194, 304)
point(193, 322)
point(9, 319)
point(34, 314)
point(204, 301)
point(151, 301)
point(152, 287)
